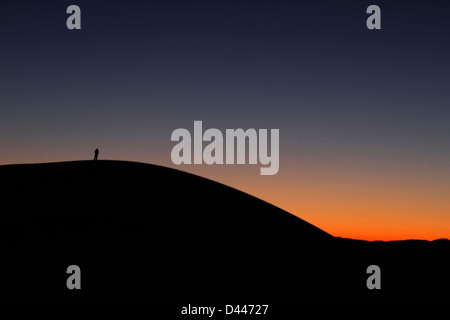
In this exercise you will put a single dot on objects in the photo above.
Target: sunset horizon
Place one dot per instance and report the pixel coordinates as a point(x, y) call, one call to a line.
point(346, 220)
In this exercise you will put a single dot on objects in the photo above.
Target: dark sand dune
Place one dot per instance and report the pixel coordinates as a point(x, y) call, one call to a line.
point(145, 231)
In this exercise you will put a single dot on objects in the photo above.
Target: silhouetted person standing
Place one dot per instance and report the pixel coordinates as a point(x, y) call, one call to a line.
point(96, 154)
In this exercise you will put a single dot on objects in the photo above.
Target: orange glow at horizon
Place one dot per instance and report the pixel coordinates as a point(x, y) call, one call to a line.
point(392, 202)
point(351, 204)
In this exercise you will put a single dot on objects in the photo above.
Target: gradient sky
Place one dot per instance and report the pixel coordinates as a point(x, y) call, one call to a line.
point(363, 115)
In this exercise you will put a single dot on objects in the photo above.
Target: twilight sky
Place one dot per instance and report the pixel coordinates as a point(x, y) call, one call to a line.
point(363, 115)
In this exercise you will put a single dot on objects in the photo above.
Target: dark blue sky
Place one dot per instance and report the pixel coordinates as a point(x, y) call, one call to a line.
point(342, 96)
point(281, 62)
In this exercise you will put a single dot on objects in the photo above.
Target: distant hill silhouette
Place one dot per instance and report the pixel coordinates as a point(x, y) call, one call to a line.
point(144, 231)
